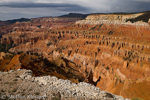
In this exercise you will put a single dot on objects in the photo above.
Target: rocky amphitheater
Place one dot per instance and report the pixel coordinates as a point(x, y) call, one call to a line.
point(101, 52)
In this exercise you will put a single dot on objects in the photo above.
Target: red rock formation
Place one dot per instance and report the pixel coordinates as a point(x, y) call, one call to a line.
point(111, 54)
point(61, 68)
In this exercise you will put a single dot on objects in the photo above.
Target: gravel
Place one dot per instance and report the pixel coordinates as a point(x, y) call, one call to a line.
point(46, 87)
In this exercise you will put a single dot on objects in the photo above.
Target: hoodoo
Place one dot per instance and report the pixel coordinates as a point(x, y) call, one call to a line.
point(110, 51)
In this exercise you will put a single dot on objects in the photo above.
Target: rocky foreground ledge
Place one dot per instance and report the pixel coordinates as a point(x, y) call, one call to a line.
point(21, 84)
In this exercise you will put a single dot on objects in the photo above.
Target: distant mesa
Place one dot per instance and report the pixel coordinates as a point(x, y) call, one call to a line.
point(13, 21)
point(75, 15)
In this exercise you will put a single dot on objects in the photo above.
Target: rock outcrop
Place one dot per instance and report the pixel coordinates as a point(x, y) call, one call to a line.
point(25, 86)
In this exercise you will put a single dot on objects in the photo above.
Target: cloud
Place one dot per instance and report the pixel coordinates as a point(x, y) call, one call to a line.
point(36, 8)
point(36, 5)
point(88, 6)
point(13, 13)
point(130, 6)
point(31, 10)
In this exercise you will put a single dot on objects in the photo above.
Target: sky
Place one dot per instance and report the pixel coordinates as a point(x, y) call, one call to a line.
point(13, 9)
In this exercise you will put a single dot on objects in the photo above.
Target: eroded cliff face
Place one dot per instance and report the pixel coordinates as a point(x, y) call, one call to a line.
point(23, 32)
point(60, 67)
point(112, 19)
point(113, 57)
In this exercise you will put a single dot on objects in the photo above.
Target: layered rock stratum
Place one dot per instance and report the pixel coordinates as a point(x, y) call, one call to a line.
point(110, 51)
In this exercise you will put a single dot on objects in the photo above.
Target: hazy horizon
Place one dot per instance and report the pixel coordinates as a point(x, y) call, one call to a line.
point(14, 9)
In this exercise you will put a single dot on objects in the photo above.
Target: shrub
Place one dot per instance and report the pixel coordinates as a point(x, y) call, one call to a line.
point(14, 90)
point(110, 32)
point(49, 43)
point(144, 17)
point(5, 47)
point(37, 93)
point(2, 91)
point(15, 80)
point(19, 52)
point(30, 89)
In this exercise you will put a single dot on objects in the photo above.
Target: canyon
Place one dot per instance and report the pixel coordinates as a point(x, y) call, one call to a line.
point(109, 51)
